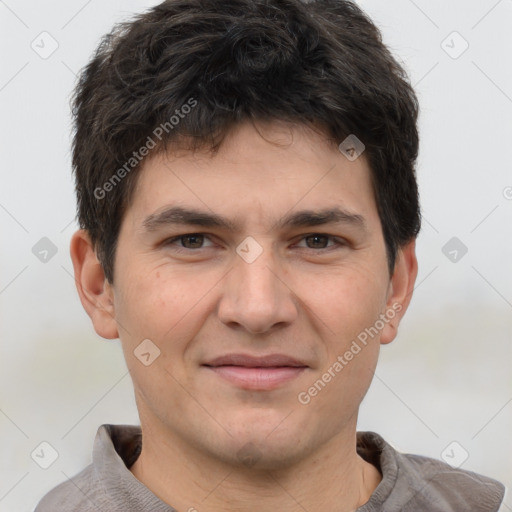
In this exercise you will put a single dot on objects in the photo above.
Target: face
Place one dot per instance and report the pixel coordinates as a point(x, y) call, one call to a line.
point(266, 307)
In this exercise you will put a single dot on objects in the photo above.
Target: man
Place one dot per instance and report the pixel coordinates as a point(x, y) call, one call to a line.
point(248, 210)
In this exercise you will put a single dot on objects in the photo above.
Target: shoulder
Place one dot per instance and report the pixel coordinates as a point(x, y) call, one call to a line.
point(415, 483)
point(440, 485)
point(106, 483)
point(75, 494)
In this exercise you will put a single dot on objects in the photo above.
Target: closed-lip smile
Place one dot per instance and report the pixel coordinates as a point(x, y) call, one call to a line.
point(256, 372)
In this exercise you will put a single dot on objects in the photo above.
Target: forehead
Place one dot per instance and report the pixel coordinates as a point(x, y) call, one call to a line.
point(259, 174)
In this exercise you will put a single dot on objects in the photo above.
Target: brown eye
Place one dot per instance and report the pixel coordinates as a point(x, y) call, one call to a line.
point(189, 241)
point(192, 241)
point(317, 241)
point(320, 241)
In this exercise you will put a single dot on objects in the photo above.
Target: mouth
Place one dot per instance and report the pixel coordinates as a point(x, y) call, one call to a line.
point(256, 373)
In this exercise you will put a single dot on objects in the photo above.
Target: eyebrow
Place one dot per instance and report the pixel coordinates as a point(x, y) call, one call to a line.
point(304, 218)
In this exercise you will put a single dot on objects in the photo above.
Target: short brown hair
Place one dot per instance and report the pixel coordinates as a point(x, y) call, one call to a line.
point(320, 63)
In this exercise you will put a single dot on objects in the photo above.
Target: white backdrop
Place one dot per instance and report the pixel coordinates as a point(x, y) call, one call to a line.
point(447, 378)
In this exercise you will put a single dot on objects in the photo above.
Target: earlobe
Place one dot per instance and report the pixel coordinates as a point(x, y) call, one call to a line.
point(401, 288)
point(95, 292)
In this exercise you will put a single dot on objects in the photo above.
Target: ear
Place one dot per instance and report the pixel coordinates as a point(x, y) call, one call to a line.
point(401, 287)
point(96, 293)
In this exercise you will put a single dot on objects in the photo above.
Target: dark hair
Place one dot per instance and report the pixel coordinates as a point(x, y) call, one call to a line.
point(191, 70)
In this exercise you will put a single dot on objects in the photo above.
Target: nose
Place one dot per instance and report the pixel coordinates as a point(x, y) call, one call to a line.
point(256, 296)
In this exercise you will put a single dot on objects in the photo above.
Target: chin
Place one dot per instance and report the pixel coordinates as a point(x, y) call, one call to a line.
point(256, 445)
point(265, 455)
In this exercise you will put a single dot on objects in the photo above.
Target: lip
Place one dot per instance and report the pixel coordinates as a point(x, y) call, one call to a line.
point(256, 372)
point(248, 361)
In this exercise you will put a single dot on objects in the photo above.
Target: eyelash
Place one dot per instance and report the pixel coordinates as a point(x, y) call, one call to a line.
point(339, 242)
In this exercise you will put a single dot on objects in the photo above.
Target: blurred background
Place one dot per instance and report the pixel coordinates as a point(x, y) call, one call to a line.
point(443, 388)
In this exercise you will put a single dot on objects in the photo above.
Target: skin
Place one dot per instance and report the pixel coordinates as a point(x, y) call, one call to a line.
point(303, 297)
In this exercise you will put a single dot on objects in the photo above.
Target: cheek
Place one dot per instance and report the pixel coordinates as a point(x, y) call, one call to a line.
point(167, 306)
point(155, 307)
point(353, 349)
point(339, 393)
point(148, 299)
point(345, 302)
point(348, 309)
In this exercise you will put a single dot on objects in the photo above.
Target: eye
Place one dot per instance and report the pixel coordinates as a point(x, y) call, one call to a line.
point(195, 241)
point(189, 241)
point(320, 241)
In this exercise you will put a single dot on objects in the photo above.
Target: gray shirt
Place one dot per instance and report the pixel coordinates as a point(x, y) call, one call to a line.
point(410, 483)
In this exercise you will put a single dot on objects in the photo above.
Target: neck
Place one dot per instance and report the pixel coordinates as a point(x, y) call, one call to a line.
point(333, 478)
